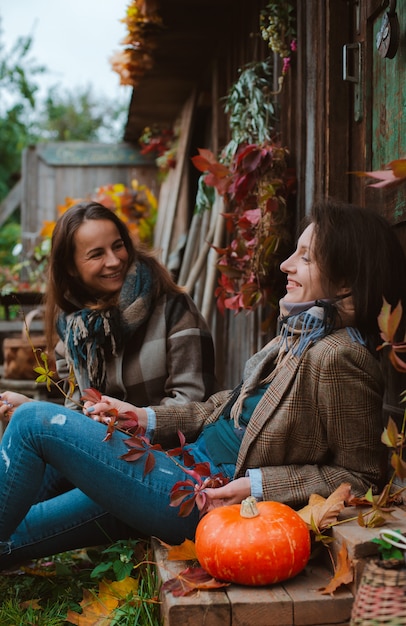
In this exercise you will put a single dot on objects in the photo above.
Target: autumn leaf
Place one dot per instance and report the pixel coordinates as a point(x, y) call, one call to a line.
point(398, 167)
point(395, 173)
point(186, 551)
point(47, 228)
point(379, 507)
point(129, 421)
point(388, 320)
point(97, 610)
point(206, 161)
point(91, 395)
point(390, 436)
point(121, 589)
point(343, 573)
point(190, 580)
point(218, 175)
point(398, 465)
point(322, 512)
point(30, 604)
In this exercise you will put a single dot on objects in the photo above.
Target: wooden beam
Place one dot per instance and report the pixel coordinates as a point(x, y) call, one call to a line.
point(170, 189)
point(11, 202)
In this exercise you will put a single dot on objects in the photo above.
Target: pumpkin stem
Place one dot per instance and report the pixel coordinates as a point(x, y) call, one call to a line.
point(249, 507)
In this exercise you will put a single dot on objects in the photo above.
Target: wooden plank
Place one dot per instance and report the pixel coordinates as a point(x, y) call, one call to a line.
point(212, 258)
point(170, 192)
point(358, 539)
point(260, 606)
point(310, 606)
point(204, 608)
point(11, 202)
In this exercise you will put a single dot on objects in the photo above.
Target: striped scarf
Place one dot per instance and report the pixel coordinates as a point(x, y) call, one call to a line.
point(92, 336)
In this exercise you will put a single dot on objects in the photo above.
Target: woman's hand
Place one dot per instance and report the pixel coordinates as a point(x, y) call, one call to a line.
point(232, 493)
point(99, 411)
point(10, 400)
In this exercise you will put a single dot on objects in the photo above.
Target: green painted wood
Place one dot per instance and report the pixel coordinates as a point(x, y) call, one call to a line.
point(388, 107)
point(82, 154)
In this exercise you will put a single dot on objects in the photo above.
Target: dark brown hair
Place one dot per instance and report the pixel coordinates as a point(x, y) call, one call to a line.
point(358, 248)
point(66, 291)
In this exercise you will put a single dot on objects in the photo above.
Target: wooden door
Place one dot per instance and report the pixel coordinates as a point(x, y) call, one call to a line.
point(378, 104)
point(377, 130)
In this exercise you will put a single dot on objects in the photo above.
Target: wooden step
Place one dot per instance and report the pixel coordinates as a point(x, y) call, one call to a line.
point(358, 539)
point(296, 602)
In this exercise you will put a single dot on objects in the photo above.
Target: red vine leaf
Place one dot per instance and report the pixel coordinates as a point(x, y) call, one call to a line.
point(189, 580)
point(91, 395)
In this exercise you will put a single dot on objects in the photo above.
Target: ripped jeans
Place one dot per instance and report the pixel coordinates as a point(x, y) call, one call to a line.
point(111, 499)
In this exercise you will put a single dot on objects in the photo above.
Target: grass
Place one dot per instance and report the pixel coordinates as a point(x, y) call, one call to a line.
point(42, 593)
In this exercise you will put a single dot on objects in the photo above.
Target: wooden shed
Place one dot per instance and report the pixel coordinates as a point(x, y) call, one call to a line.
point(341, 111)
point(53, 172)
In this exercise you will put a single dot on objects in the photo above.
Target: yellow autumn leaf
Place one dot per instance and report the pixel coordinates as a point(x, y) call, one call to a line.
point(398, 465)
point(388, 320)
point(186, 551)
point(390, 435)
point(47, 228)
point(398, 167)
point(62, 208)
point(122, 588)
point(97, 610)
point(343, 573)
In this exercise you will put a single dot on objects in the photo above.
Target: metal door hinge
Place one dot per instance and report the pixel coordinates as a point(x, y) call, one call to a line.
point(352, 72)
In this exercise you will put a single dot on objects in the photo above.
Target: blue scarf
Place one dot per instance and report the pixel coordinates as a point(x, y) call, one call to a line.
point(92, 336)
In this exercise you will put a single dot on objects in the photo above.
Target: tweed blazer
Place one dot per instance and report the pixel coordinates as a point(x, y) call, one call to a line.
point(319, 423)
point(168, 360)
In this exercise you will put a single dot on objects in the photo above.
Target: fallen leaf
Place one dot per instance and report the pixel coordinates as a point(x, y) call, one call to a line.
point(324, 511)
point(186, 551)
point(122, 588)
point(97, 610)
point(30, 604)
point(343, 573)
point(191, 579)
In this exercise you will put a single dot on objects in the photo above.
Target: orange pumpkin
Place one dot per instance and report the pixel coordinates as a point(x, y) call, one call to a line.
point(255, 543)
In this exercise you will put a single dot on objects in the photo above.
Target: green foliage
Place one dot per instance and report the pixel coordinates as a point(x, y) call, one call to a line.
point(251, 112)
point(205, 196)
point(18, 87)
point(78, 116)
point(9, 235)
point(119, 560)
point(42, 593)
point(387, 550)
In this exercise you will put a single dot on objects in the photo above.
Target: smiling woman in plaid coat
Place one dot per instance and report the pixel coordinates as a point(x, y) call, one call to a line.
point(306, 417)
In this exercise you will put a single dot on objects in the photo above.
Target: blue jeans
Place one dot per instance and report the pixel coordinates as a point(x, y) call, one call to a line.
point(111, 499)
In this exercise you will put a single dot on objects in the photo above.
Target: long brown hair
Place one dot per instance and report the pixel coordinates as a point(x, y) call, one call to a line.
point(66, 291)
point(358, 248)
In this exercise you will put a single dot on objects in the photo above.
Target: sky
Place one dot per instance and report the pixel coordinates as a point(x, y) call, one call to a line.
point(72, 38)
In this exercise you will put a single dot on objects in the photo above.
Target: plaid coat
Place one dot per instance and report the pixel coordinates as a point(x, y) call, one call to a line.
point(168, 360)
point(318, 424)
